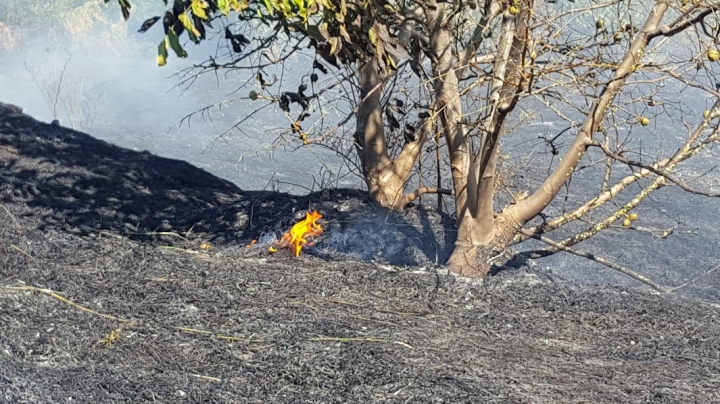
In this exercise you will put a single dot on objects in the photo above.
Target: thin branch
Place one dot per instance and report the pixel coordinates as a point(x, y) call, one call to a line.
point(361, 339)
point(59, 87)
point(534, 204)
point(659, 172)
point(425, 190)
point(604, 224)
point(694, 280)
point(678, 26)
point(66, 301)
point(600, 260)
point(11, 216)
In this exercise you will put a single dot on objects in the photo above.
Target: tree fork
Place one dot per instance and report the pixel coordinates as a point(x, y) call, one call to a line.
point(384, 177)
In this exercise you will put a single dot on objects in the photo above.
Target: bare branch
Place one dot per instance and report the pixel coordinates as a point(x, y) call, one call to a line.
point(604, 224)
point(530, 207)
point(676, 288)
point(425, 190)
point(588, 206)
point(600, 260)
point(650, 167)
point(680, 24)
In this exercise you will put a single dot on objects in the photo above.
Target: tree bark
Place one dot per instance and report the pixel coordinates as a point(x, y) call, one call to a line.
point(384, 177)
point(483, 235)
point(370, 139)
point(449, 109)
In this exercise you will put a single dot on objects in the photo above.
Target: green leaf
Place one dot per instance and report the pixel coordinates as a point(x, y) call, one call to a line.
point(269, 6)
point(223, 6)
point(174, 42)
point(284, 6)
point(238, 6)
point(198, 8)
point(391, 62)
point(372, 35)
point(193, 33)
point(302, 11)
point(162, 54)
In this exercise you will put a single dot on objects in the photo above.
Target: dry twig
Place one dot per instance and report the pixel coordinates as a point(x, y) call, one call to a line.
point(600, 260)
point(66, 301)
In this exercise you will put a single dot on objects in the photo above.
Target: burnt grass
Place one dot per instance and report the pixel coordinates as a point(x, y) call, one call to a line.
point(107, 296)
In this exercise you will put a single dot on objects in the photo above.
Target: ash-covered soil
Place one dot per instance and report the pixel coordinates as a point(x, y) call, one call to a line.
point(107, 296)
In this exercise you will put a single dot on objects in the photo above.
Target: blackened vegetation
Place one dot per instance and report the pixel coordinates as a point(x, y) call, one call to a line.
point(147, 24)
point(77, 217)
point(261, 80)
point(288, 97)
point(319, 66)
point(125, 7)
point(171, 20)
point(199, 24)
point(238, 41)
point(410, 133)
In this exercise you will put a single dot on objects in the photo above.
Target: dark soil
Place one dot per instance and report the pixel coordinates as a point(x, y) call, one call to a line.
point(106, 296)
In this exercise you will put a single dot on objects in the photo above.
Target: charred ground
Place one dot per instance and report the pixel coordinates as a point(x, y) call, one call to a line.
point(117, 232)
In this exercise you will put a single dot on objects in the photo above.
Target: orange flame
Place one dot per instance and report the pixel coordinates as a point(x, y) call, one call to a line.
point(298, 233)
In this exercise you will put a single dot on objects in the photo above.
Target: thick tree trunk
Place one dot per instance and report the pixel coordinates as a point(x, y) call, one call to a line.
point(483, 235)
point(475, 234)
point(449, 110)
point(386, 188)
point(477, 250)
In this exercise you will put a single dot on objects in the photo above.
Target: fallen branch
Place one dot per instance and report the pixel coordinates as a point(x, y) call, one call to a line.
point(694, 280)
point(210, 378)
point(21, 251)
point(163, 233)
point(600, 260)
point(200, 254)
point(11, 216)
point(66, 301)
point(215, 335)
point(361, 339)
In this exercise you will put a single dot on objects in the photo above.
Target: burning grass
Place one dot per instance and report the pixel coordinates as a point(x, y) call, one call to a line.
point(298, 235)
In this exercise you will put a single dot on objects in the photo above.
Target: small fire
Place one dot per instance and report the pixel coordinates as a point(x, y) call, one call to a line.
point(298, 233)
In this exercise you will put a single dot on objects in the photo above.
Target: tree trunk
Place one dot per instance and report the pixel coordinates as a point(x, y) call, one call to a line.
point(370, 138)
point(476, 251)
point(449, 110)
point(483, 235)
point(384, 177)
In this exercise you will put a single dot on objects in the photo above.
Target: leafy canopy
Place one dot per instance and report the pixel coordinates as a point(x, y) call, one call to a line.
point(340, 31)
